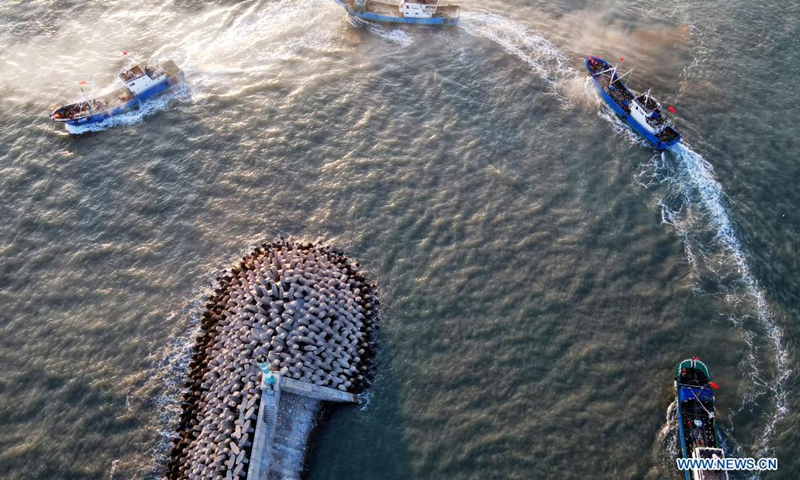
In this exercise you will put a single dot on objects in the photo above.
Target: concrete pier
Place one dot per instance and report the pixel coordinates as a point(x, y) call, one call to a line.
point(297, 417)
point(316, 392)
point(266, 425)
point(282, 428)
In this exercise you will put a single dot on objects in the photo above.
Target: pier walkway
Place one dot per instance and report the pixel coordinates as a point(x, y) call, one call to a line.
point(286, 416)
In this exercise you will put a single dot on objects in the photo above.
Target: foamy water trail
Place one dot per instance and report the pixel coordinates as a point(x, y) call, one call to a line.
point(695, 202)
point(544, 58)
point(695, 179)
point(365, 400)
point(114, 464)
point(243, 36)
point(398, 35)
point(667, 438)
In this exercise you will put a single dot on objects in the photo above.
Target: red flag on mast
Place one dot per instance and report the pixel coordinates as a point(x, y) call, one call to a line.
point(671, 109)
point(713, 385)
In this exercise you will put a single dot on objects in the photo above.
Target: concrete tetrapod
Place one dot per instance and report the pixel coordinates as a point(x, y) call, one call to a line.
point(312, 315)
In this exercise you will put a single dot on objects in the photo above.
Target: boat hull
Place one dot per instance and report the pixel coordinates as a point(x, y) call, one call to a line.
point(697, 428)
point(376, 17)
point(632, 122)
point(133, 104)
point(682, 439)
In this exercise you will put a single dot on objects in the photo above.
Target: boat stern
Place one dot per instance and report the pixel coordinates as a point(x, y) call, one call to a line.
point(173, 71)
point(673, 142)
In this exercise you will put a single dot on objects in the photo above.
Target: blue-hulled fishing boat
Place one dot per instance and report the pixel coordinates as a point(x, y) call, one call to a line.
point(141, 82)
point(697, 429)
point(641, 111)
point(421, 12)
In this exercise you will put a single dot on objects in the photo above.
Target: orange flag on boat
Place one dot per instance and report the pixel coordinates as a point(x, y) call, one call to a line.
point(671, 109)
point(713, 385)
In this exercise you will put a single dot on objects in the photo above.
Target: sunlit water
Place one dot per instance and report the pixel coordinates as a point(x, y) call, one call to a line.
point(541, 269)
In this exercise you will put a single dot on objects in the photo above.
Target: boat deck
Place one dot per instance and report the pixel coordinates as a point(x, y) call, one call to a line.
point(668, 135)
point(620, 94)
point(702, 435)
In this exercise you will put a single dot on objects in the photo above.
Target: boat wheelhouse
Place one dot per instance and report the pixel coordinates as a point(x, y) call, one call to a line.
point(140, 84)
point(421, 12)
point(697, 429)
point(641, 111)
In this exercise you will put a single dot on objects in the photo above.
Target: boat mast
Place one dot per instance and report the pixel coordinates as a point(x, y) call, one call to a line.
point(612, 69)
point(619, 77)
point(87, 101)
point(91, 92)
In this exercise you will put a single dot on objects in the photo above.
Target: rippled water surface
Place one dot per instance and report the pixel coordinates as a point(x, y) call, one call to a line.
point(541, 270)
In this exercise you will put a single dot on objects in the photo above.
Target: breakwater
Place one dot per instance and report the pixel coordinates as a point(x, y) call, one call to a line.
point(305, 309)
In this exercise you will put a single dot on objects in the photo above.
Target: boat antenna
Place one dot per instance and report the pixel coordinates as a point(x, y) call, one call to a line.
point(86, 101)
point(91, 92)
point(83, 95)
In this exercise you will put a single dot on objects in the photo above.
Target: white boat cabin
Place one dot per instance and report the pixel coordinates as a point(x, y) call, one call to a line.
point(139, 79)
point(647, 111)
point(418, 8)
point(708, 452)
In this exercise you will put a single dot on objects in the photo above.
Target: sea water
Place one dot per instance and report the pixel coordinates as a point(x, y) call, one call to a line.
point(541, 269)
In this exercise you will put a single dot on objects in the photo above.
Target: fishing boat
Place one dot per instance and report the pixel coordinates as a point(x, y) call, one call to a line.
point(422, 12)
point(141, 82)
point(641, 111)
point(697, 427)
